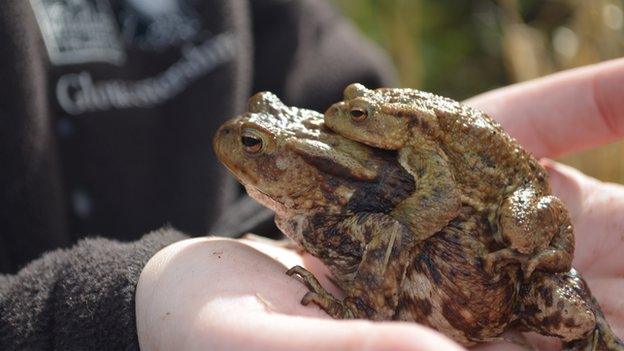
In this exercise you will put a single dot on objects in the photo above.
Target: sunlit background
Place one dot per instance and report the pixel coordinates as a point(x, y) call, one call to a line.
point(460, 48)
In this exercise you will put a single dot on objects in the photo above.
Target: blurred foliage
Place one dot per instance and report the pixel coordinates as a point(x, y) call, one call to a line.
point(460, 48)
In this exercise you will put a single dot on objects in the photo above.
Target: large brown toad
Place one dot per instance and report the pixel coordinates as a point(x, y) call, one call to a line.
point(453, 148)
point(337, 198)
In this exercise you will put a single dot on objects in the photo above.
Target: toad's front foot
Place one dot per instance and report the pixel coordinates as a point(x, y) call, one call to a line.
point(493, 261)
point(321, 297)
point(550, 260)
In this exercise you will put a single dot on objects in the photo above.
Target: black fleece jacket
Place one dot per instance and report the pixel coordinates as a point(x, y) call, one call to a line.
point(107, 110)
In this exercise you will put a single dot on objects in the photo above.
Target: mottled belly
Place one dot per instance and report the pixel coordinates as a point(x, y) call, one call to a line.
point(447, 289)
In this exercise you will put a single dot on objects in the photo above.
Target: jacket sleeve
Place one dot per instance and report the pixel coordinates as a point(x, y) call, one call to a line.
point(307, 53)
point(78, 299)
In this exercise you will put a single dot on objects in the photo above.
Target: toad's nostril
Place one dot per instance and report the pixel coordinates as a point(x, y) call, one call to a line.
point(225, 131)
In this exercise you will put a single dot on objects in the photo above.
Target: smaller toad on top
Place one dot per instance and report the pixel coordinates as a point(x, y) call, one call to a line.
point(486, 169)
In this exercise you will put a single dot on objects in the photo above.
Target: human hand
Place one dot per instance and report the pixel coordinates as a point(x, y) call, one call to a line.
point(223, 294)
point(233, 294)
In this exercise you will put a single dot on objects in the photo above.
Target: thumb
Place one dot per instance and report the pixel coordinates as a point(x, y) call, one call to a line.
point(284, 332)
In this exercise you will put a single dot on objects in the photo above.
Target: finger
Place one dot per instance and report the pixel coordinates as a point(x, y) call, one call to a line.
point(596, 209)
point(282, 332)
point(563, 112)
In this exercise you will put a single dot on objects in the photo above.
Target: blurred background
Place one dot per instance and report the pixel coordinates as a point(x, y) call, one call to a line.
point(460, 48)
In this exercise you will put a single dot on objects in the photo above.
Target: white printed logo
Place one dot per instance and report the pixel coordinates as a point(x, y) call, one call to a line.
point(78, 93)
point(79, 31)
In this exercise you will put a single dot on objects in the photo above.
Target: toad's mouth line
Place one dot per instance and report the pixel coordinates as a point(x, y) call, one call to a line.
point(236, 172)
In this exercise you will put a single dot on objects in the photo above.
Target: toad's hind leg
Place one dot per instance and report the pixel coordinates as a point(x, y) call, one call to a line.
point(561, 305)
point(538, 230)
point(373, 289)
point(552, 306)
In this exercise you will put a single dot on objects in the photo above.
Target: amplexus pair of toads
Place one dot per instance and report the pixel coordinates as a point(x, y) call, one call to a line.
point(423, 209)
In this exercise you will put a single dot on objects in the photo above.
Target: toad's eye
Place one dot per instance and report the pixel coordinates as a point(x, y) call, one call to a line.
point(358, 114)
point(251, 143)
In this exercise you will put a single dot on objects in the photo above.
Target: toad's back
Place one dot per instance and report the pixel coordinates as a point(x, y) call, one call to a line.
point(487, 163)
